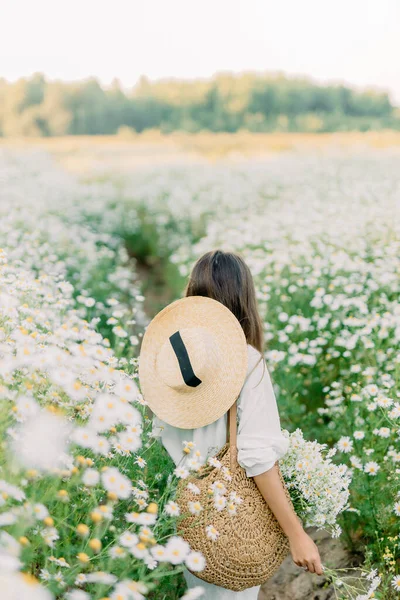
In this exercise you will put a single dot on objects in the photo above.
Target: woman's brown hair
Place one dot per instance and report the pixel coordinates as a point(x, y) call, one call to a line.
point(224, 276)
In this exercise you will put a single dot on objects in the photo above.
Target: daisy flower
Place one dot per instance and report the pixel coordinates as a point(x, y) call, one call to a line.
point(226, 474)
point(231, 508)
point(45, 575)
point(345, 444)
point(395, 412)
point(195, 561)
point(150, 562)
point(159, 553)
point(143, 518)
point(211, 533)
point(396, 583)
point(372, 389)
point(371, 468)
point(220, 502)
point(128, 539)
point(140, 462)
point(59, 578)
point(177, 550)
point(233, 496)
point(91, 477)
point(181, 472)
point(114, 481)
point(195, 507)
point(384, 402)
point(102, 578)
point(218, 487)
point(193, 464)
point(172, 509)
point(117, 552)
point(40, 511)
point(214, 462)
point(139, 551)
point(193, 488)
point(383, 432)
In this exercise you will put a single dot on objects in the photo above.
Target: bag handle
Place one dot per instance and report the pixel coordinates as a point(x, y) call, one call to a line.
point(231, 430)
point(232, 434)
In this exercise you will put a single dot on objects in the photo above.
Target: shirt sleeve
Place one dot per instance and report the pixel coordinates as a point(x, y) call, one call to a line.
point(260, 441)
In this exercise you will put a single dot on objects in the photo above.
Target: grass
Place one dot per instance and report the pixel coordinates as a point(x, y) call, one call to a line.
point(125, 152)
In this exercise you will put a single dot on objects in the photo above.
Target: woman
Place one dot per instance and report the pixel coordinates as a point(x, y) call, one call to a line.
point(225, 277)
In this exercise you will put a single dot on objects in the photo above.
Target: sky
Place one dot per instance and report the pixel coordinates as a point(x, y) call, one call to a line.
point(351, 41)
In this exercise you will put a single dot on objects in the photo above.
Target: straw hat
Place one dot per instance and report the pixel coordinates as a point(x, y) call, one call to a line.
point(193, 362)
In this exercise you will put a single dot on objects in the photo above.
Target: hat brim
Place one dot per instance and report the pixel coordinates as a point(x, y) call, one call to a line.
point(203, 404)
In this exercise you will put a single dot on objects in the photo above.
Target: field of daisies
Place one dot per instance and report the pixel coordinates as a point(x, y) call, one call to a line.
point(87, 495)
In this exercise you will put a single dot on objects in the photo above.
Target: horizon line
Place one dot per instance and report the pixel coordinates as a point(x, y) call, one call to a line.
point(335, 82)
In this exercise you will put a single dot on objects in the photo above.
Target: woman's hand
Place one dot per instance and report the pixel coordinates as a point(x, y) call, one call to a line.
point(305, 552)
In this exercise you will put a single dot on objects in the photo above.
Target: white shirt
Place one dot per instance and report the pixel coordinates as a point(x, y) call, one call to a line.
point(260, 441)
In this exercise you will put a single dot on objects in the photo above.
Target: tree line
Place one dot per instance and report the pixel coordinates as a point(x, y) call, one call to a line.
point(36, 106)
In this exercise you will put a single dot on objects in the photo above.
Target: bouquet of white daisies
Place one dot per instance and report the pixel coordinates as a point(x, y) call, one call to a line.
point(318, 487)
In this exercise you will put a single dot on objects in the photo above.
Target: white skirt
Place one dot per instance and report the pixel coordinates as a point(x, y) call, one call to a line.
point(215, 592)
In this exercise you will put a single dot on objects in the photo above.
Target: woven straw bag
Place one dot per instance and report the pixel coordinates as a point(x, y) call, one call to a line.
point(251, 544)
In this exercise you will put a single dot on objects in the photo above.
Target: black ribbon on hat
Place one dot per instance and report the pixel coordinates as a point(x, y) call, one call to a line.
point(185, 365)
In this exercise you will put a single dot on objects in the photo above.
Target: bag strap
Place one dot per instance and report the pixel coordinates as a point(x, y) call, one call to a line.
point(231, 430)
point(232, 434)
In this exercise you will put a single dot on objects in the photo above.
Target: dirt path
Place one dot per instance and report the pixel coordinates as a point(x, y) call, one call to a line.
point(293, 583)
point(156, 293)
